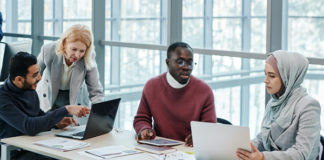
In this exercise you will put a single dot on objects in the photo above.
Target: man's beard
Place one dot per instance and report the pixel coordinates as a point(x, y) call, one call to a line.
point(27, 86)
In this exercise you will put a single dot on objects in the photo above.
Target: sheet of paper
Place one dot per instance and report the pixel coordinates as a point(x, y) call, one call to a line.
point(62, 144)
point(178, 155)
point(110, 152)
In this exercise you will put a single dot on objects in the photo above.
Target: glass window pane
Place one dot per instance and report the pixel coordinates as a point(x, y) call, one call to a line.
point(314, 84)
point(108, 30)
point(227, 34)
point(48, 9)
point(138, 65)
point(258, 8)
point(127, 111)
point(140, 8)
point(193, 32)
point(257, 106)
point(306, 35)
point(77, 9)
point(193, 8)
point(108, 20)
point(108, 8)
point(24, 27)
point(145, 31)
point(227, 104)
point(24, 17)
point(68, 24)
point(306, 8)
point(305, 27)
point(107, 65)
point(258, 35)
point(48, 17)
point(222, 64)
point(227, 8)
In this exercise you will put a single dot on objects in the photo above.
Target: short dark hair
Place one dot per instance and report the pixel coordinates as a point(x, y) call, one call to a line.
point(175, 45)
point(20, 63)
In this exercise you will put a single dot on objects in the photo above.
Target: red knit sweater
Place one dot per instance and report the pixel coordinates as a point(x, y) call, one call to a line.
point(173, 109)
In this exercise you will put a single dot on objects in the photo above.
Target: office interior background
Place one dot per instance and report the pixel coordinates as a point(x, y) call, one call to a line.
point(230, 39)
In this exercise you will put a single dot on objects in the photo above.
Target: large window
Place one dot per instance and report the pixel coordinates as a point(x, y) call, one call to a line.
point(305, 35)
point(232, 25)
point(60, 14)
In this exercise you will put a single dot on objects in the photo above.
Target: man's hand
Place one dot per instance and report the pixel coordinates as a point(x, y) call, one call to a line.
point(247, 155)
point(79, 111)
point(66, 121)
point(188, 141)
point(145, 134)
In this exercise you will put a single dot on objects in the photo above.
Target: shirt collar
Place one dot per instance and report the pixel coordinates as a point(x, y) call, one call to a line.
point(64, 63)
point(12, 86)
point(174, 83)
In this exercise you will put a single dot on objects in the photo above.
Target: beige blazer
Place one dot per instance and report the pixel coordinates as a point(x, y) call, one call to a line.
point(84, 84)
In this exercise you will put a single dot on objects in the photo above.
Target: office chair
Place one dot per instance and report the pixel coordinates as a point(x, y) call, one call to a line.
point(223, 121)
point(322, 142)
point(7, 51)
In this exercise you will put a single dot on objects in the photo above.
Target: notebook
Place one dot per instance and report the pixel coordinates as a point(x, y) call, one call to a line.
point(101, 121)
point(218, 141)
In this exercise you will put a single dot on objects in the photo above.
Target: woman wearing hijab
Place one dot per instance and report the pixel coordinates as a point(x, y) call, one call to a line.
point(69, 70)
point(291, 124)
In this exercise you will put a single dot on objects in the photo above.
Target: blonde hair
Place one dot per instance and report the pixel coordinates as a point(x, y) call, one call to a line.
point(76, 33)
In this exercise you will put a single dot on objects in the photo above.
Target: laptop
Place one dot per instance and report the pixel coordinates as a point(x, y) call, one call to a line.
point(218, 141)
point(101, 121)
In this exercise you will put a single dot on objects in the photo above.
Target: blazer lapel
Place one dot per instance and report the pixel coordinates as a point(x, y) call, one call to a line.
point(56, 74)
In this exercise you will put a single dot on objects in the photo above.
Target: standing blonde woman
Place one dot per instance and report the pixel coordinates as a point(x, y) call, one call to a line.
point(69, 70)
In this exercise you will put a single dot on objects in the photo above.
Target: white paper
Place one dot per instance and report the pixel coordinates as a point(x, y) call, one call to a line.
point(178, 155)
point(109, 152)
point(62, 144)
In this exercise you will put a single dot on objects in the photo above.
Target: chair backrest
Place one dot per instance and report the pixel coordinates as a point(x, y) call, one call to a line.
point(322, 142)
point(2, 53)
point(223, 121)
point(11, 49)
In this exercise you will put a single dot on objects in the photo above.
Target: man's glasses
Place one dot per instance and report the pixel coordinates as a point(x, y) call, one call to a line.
point(181, 63)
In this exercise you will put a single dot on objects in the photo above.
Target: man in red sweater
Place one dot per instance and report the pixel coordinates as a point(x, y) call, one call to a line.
point(174, 99)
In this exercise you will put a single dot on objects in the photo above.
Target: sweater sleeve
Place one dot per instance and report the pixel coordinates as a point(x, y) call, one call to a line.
point(208, 113)
point(143, 118)
point(307, 136)
point(30, 125)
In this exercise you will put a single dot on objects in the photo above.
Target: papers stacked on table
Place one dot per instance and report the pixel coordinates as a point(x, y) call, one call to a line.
point(62, 144)
point(109, 152)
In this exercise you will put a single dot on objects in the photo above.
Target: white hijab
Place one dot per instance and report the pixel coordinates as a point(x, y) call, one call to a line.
point(292, 68)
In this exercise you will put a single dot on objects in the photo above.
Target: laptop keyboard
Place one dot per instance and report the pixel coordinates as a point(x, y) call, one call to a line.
point(80, 134)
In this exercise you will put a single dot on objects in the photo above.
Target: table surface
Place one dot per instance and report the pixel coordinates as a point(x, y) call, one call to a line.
point(125, 138)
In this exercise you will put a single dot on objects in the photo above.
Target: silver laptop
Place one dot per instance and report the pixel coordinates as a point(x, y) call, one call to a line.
point(101, 120)
point(218, 141)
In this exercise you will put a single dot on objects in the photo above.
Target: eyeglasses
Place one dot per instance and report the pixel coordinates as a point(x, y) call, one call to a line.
point(181, 63)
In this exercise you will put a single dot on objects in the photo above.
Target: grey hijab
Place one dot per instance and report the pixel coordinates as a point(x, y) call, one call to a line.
point(279, 111)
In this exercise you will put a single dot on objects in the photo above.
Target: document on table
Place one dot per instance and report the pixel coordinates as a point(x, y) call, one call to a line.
point(178, 155)
point(109, 152)
point(62, 144)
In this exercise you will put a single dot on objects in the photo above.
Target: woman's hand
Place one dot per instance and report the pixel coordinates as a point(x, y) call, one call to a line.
point(247, 155)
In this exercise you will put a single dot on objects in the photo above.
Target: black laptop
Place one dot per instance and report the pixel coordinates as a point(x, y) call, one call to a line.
point(101, 120)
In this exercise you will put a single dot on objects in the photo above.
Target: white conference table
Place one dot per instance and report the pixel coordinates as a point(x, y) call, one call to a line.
point(125, 138)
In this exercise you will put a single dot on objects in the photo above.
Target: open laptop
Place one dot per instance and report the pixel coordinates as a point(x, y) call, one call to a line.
point(101, 121)
point(218, 141)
